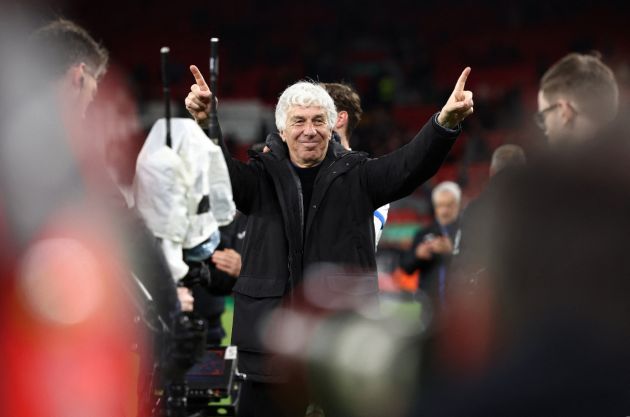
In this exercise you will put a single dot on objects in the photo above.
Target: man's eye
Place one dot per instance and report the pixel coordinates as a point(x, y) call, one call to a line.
point(298, 122)
point(318, 122)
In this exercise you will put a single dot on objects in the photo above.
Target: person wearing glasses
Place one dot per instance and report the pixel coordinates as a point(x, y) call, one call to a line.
point(577, 98)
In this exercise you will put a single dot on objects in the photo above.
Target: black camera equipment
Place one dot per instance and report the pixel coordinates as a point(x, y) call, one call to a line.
point(212, 380)
point(188, 377)
point(198, 274)
point(185, 377)
point(213, 377)
point(192, 378)
point(184, 348)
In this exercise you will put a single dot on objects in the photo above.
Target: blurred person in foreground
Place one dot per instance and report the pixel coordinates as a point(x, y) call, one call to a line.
point(432, 247)
point(310, 201)
point(74, 66)
point(465, 262)
point(545, 330)
point(578, 99)
point(70, 342)
point(348, 104)
point(504, 159)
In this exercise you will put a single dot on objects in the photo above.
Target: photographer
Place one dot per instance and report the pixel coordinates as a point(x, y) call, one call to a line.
point(71, 297)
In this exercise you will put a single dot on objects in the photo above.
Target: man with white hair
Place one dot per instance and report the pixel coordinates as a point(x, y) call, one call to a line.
point(310, 201)
point(432, 247)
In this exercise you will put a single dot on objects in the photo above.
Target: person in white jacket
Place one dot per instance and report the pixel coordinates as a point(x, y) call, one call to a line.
point(183, 192)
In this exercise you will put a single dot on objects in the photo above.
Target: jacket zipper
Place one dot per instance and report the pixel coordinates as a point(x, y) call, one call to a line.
point(298, 184)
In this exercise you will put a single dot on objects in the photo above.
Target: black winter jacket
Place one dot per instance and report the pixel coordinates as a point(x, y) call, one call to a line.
point(338, 228)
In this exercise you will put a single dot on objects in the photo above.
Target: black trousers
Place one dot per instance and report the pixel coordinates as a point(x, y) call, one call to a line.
point(259, 399)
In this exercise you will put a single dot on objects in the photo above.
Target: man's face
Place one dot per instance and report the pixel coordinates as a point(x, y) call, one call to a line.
point(446, 208)
point(306, 135)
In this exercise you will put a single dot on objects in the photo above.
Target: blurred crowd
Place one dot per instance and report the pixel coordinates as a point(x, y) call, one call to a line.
point(516, 270)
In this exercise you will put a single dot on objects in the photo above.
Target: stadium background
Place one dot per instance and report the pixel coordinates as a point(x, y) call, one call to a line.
point(403, 58)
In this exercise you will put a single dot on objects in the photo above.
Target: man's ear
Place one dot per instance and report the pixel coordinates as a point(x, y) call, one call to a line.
point(281, 133)
point(342, 120)
point(567, 111)
point(76, 74)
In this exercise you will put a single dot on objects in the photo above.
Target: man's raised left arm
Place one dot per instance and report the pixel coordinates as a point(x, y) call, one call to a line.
point(398, 173)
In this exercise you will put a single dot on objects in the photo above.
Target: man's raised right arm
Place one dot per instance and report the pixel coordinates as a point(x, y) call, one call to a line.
point(243, 176)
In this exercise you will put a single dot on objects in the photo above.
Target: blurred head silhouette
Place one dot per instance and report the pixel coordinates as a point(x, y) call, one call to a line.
point(578, 96)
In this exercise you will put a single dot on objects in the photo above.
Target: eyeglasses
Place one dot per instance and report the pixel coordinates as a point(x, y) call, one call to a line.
point(539, 117)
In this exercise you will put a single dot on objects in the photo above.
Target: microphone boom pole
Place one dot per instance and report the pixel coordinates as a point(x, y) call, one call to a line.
point(213, 122)
point(164, 51)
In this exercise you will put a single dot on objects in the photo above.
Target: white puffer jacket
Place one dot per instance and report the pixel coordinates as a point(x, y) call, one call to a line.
point(170, 184)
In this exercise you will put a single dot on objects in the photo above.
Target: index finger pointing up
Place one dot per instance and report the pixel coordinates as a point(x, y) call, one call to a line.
point(461, 82)
point(201, 82)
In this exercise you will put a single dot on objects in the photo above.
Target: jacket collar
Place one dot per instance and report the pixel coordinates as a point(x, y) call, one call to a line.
point(277, 145)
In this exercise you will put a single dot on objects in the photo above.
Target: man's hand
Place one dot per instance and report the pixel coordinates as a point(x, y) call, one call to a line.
point(186, 300)
point(228, 261)
point(459, 105)
point(442, 245)
point(424, 251)
point(198, 100)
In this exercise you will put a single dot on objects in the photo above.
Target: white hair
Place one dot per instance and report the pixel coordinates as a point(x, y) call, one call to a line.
point(449, 186)
point(307, 94)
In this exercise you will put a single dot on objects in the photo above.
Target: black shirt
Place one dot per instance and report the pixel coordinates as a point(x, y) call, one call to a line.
point(307, 179)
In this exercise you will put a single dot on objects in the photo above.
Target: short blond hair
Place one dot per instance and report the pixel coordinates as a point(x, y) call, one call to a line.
point(63, 44)
point(587, 80)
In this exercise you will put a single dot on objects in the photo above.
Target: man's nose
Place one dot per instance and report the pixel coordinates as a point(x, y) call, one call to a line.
point(309, 129)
